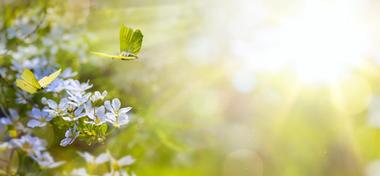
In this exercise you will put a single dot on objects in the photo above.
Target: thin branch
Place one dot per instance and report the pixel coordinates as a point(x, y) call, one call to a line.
point(4, 14)
point(10, 162)
point(2, 104)
point(38, 25)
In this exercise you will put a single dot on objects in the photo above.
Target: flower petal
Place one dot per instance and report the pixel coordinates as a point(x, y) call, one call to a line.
point(125, 110)
point(52, 104)
point(107, 104)
point(35, 123)
point(66, 141)
point(123, 119)
point(127, 160)
point(102, 158)
point(87, 156)
point(116, 104)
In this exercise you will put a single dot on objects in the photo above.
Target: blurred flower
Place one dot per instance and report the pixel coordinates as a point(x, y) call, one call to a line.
point(56, 86)
point(22, 97)
point(68, 73)
point(97, 115)
point(45, 160)
point(70, 136)
point(76, 86)
point(3, 72)
point(117, 165)
point(29, 144)
point(116, 116)
point(117, 173)
point(91, 159)
point(373, 168)
point(10, 120)
point(40, 118)
point(79, 172)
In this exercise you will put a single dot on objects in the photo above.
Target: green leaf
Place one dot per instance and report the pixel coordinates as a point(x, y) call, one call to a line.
point(103, 129)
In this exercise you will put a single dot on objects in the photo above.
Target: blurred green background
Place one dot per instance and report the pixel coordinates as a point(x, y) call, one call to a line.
point(241, 87)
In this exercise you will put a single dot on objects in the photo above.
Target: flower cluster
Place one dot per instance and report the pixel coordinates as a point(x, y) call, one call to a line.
point(66, 105)
point(35, 148)
point(116, 167)
point(69, 106)
point(82, 112)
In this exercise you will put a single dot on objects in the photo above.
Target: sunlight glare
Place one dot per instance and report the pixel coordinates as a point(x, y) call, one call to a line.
point(324, 41)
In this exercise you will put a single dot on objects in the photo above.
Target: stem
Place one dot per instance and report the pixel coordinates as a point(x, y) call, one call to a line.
point(44, 11)
point(10, 162)
point(3, 111)
point(4, 15)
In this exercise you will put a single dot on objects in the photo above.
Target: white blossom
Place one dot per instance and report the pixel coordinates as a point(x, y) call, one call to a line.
point(116, 115)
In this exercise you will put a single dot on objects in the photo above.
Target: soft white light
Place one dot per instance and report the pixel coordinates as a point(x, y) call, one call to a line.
point(321, 41)
point(324, 41)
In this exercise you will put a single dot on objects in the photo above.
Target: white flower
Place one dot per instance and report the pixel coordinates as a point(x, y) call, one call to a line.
point(40, 118)
point(116, 116)
point(29, 144)
point(117, 173)
point(125, 161)
point(68, 73)
point(45, 160)
point(76, 86)
point(79, 172)
point(91, 159)
point(56, 86)
point(70, 136)
point(117, 166)
point(56, 109)
point(97, 115)
point(98, 96)
point(73, 116)
point(78, 98)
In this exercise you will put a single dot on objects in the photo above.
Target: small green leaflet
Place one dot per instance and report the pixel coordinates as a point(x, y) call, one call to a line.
point(130, 44)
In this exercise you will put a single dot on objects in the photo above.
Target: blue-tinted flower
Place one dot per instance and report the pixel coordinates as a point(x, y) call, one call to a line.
point(70, 136)
point(97, 115)
point(68, 73)
point(98, 96)
point(91, 159)
point(57, 85)
point(73, 116)
point(117, 173)
point(29, 144)
point(45, 160)
point(118, 166)
point(125, 161)
point(78, 98)
point(76, 86)
point(40, 118)
point(12, 119)
point(56, 109)
point(79, 172)
point(116, 115)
